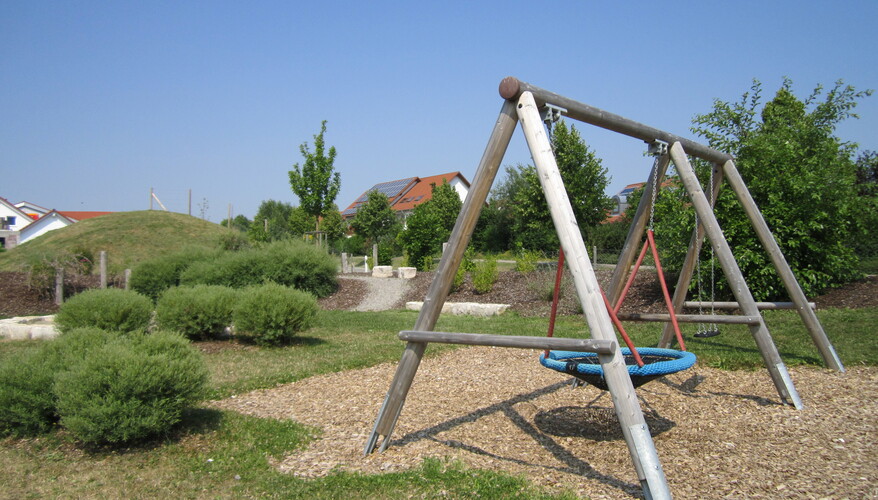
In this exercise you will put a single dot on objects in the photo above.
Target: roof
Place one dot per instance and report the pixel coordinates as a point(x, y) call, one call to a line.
point(13, 208)
point(405, 194)
point(78, 216)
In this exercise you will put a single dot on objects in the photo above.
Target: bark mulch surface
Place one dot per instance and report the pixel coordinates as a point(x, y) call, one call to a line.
point(719, 434)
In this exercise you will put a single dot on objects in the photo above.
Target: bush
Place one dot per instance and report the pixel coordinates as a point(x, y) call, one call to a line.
point(527, 261)
point(130, 389)
point(27, 406)
point(289, 263)
point(109, 309)
point(154, 276)
point(27, 402)
point(200, 311)
point(272, 314)
point(485, 275)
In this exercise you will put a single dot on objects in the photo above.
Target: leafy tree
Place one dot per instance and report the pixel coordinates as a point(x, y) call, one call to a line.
point(585, 179)
point(375, 218)
point(801, 176)
point(493, 232)
point(314, 182)
point(239, 222)
point(333, 224)
point(272, 221)
point(430, 224)
point(300, 221)
point(865, 238)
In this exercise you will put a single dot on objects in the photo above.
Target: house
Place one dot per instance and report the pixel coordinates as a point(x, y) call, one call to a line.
point(24, 221)
point(48, 222)
point(406, 194)
point(12, 221)
point(620, 199)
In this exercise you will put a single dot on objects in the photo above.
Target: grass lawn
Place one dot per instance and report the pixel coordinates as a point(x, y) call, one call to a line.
point(226, 455)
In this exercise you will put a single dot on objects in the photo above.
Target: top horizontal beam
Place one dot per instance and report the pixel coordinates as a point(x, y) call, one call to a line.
point(511, 88)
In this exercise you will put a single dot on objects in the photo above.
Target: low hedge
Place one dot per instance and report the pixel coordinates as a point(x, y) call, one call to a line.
point(108, 309)
point(272, 314)
point(198, 312)
point(152, 277)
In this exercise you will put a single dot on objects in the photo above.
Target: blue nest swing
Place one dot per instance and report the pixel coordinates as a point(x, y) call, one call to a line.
point(586, 367)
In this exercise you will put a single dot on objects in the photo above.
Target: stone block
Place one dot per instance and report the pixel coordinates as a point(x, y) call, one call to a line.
point(407, 273)
point(382, 272)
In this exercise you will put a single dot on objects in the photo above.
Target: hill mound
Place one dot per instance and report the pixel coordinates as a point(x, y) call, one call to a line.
point(127, 237)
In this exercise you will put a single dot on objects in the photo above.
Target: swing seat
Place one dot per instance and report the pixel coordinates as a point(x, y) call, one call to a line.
point(586, 366)
point(706, 334)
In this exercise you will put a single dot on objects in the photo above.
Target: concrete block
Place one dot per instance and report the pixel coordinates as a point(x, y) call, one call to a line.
point(407, 273)
point(382, 272)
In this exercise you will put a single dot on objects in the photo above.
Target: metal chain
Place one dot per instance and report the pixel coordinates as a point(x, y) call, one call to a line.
point(654, 192)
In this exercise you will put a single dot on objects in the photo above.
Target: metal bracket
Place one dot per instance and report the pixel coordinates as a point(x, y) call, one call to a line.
point(657, 148)
point(551, 113)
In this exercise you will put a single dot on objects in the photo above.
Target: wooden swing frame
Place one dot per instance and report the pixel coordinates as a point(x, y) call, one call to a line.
point(523, 102)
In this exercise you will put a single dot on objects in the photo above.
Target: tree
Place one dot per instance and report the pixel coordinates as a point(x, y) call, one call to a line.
point(430, 224)
point(493, 231)
point(239, 222)
point(801, 176)
point(374, 218)
point(272, 221)
point(314, 182)
point(586, 181)
point(333, 224)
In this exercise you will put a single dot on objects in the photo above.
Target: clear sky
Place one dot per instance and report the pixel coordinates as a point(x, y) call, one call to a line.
point(101, 101)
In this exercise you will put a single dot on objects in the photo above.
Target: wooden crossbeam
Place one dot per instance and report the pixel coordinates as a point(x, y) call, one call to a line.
point(734, 305)
point(517, 341)
point(692, 318)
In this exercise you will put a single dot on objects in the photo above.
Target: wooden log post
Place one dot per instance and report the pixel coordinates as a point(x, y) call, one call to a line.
point(636, 231)
point(344, 262)
point(375, 255)
point(689, 263)
point(779, 374)
point(128, 279)
point(809, 318)
point(441, 285)
point(59, 285)
point(640, 444)
point(103, 269)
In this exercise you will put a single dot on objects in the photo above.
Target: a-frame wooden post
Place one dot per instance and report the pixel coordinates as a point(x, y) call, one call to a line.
point(779, 374)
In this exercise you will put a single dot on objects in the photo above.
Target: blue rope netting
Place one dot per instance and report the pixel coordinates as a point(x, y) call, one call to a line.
point(585, 365)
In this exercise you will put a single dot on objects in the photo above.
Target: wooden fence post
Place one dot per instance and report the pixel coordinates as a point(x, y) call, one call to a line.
point(59, 286)
point(103, 269)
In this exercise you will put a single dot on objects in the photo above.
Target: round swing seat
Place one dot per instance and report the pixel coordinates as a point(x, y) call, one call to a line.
point(586, 366)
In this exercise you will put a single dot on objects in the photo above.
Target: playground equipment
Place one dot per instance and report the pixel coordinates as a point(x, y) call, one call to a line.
point(523, 102)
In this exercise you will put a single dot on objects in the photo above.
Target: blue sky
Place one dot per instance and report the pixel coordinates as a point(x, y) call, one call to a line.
point(100, 101)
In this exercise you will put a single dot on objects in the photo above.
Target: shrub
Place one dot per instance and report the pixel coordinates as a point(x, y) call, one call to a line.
point(27, 402)
point(289, 263)
point(200, 311)
point(527, 261)
point(154, 276)
point(272, 314)
point(130, 389)
point(485, 275)
point(109, 309)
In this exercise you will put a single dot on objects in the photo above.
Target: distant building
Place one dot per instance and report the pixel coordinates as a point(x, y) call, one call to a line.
point(406, 194)
point(24, 221)
point(620, 199)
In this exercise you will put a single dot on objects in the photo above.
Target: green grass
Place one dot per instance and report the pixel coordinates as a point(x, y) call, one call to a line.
point(218, 454)
point(127, 237)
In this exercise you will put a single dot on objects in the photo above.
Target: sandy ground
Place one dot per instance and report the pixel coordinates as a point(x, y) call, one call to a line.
point(718, 434)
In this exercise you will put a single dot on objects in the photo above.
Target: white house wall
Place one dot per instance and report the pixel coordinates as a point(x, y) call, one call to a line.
point(43, 226)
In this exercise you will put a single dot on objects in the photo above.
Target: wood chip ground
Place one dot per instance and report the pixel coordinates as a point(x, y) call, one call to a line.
point(719, 434)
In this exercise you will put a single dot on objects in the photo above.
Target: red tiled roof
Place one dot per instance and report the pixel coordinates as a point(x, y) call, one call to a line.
point(423, 190)
point(78, 216)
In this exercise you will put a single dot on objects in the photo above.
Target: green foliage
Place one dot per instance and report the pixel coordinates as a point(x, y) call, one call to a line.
point(154, 276)
point(272, 314)
point(585, 179)
point(801, 176)
point(109, 309)
point(130, 389)
point(314, 182)
point(27, 406)
point(27, 402)
point(430, 224)
point(485, 275)
point(864, 238)
point(375, 219)
point(239, 222)
point(526, 261)
point(198, 312)
point(289, 263)
point(334, 225)
point(493, 232)
point(272, 221)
